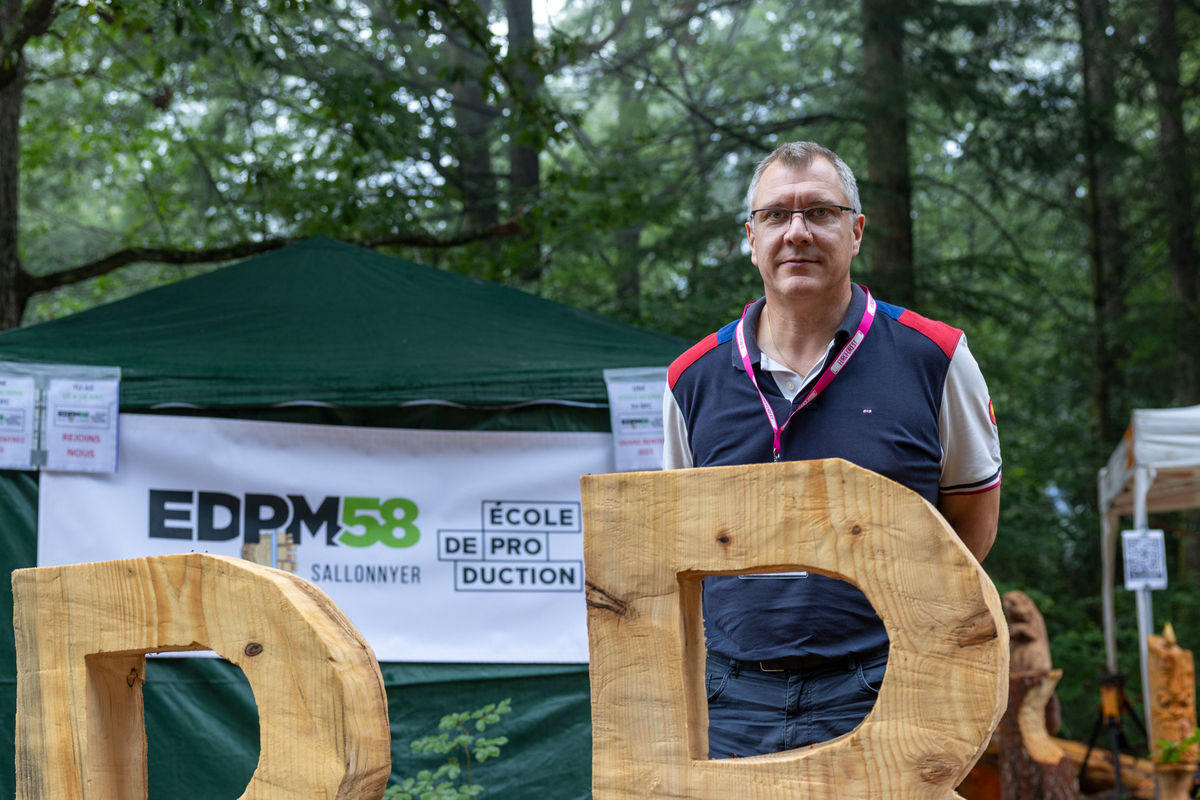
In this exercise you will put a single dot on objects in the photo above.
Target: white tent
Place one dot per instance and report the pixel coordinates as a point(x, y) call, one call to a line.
point(1155, 468)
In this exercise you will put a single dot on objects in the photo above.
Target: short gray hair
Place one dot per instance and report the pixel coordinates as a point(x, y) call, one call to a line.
point(799, 155)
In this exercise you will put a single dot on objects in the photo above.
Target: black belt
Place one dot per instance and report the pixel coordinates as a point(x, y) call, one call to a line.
point(806, 663)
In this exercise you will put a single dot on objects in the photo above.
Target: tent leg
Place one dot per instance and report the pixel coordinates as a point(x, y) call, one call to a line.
point(1108, 560)
point(1145, 609)
point(1145, 623)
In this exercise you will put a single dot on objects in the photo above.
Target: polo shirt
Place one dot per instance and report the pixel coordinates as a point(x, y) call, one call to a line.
point(911, 404)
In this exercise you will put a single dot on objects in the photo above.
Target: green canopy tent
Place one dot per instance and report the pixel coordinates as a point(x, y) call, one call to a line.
point(324, 332)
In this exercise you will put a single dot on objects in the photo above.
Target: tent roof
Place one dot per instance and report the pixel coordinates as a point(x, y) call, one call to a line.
point(1168, 441)
point(325, 321)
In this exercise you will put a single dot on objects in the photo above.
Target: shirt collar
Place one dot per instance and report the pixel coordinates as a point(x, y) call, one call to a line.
point(854, 315)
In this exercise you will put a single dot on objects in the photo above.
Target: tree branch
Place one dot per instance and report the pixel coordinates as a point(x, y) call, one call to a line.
point(35, 20)
point(168, 255)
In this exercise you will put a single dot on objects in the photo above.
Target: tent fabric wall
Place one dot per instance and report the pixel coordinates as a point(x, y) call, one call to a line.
point(323, 332)
point(18, 549)
point(549, 730)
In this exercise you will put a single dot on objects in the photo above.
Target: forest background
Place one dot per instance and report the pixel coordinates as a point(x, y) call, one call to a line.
point(1026, 169)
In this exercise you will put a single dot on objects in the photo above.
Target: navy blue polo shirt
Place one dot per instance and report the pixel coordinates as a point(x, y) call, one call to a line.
point(880, 412)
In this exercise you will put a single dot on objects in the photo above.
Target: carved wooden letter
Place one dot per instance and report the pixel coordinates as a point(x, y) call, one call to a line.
point(649, 540)
point(82, 633)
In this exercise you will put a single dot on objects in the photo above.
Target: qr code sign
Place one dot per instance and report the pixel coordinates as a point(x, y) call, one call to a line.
point(1145, 560)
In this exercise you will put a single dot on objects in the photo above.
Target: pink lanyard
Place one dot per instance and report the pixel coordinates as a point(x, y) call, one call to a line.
point(826, 378)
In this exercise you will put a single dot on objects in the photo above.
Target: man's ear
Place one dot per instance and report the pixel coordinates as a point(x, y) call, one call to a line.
point(860, 222)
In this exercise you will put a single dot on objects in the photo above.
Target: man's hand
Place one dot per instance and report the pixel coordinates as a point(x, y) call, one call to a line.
point(974, 518)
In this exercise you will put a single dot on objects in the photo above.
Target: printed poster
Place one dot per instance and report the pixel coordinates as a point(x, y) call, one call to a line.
point(81, 425)
point(458, 546)
point(635, 402)
point(18, 410)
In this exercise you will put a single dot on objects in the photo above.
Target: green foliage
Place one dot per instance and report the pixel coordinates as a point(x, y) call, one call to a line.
point(460, 740)
point(187, 124)
point(1172, 752)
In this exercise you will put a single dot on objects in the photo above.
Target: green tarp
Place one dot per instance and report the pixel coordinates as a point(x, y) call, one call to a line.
point(340, 335)
point(324, 321)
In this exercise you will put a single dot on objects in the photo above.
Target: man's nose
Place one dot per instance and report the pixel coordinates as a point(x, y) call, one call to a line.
point(797, 229)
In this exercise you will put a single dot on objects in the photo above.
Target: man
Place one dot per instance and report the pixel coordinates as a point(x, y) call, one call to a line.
point(818, 368)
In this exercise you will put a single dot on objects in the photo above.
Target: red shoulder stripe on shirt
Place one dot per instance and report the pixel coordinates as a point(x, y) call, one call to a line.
point(690, 356)
point(940, 333)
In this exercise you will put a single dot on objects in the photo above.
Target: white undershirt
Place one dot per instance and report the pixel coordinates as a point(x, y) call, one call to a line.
point(786, 378)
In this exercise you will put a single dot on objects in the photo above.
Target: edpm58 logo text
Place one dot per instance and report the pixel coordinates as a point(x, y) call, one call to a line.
point(220, 517)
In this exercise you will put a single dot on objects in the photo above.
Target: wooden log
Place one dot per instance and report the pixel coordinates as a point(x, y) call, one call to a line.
point(650, 538)
point(1172, 694)
point(1032, 765)
point(1137, 774)
point(82, 632)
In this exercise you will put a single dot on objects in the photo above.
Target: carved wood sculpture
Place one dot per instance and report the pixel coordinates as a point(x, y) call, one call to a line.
point(1032, 765)
point(82, 632)
point(1172, 711)
point(1032, 760)
point(1029, 647)
point(649, 540)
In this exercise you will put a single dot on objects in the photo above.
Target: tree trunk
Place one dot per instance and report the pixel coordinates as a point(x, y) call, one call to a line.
point(526, 175)
point(1176, 195)
point(472, 148)
point(524, 171)
point(888, 188)
point(1032, 765)
point(1106, 245)
point(13, 293)
point(631, 118)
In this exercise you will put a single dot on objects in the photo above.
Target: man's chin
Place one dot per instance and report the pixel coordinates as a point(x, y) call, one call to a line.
point(799, 287)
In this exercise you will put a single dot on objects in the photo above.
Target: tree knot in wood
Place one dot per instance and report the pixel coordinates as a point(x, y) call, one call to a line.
point(856, 530)
point(979, 629)
point(253, 649)
point(724, 538)
point(937, 769)
point(600, 599)
point(131, 678)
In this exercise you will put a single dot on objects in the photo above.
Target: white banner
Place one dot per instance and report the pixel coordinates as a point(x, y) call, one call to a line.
point(440, 545)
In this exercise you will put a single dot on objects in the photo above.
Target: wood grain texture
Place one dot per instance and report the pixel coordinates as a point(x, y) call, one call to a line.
point(649, 539)
point(1172, 696)
point(1032, 765)
point(81, 635)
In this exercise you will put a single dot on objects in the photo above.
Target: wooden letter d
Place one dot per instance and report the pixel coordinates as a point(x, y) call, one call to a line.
point(82, 633)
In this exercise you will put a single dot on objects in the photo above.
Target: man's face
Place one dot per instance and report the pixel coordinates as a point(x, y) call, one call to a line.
point(798, 262)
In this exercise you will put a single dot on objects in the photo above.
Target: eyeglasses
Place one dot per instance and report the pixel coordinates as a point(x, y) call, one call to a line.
point(815, 218)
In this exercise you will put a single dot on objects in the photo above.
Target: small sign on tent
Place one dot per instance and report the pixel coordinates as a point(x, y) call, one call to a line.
point(60, 417)
point(635, 403)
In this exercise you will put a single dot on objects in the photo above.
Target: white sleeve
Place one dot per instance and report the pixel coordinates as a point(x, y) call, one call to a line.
point(970, 441)
point(677, 453)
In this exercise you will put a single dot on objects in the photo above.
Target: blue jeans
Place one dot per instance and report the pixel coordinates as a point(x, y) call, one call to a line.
point(751, 712)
